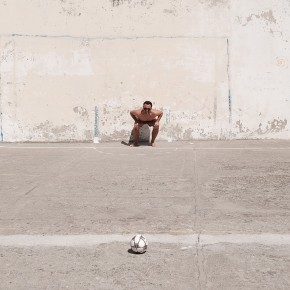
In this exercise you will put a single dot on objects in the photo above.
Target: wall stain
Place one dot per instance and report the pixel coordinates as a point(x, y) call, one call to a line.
point(170, 11)
point(266, 16)
point(174, 131)
point(282, 62)
point(81, 111)
point(133, 3)
point(276, 125)
point(241, 127)
point(8, 51)
point(273, 126)
point(88, 135)
point(187, 135)
point(212, 3)
point(48, 131)
point(72, 8)
point(116, 135)
point(85, 42)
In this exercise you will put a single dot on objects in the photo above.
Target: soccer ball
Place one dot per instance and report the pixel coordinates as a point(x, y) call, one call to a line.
point(139, 244)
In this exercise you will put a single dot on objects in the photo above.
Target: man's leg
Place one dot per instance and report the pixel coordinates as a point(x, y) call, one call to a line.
point(136, 134)
point(154, 135)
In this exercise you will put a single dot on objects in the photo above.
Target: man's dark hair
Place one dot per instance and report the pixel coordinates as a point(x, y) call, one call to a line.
point(147, 103)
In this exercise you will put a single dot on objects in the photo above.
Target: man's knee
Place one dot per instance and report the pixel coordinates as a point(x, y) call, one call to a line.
point(155, 126)
point(136, 126)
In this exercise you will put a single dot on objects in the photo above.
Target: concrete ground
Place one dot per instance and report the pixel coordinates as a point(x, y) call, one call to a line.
point(216, 215)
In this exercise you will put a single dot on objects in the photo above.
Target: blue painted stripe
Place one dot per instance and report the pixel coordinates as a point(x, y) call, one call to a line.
point(96, 129)
point(1, 128)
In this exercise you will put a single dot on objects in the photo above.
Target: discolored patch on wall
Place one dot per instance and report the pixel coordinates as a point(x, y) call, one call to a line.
point(174, 132)
point(72, 8)
point(241, 127)
point(133, 3)
point(116, 135)
point(213, 3)
point(89, 135)
point(49, 131)
point(85, 42)
point(81, 111)
point(273, 126)
point(266, 16)
point(282, 62)
point(170, 11)
point(187, 135)
point(276, 125)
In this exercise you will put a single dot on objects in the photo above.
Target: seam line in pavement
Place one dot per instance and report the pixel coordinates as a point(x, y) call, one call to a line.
point(92, 240)
point(148, 148)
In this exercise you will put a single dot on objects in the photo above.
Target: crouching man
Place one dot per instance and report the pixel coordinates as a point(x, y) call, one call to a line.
point(148, 116)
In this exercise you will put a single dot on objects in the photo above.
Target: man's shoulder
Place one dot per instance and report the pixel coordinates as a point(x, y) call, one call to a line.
point(136, 111)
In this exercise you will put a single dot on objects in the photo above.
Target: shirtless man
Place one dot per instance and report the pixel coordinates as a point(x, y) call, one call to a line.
point(149, 116)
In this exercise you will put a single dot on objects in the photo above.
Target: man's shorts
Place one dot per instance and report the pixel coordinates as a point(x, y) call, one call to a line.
point(149, 123)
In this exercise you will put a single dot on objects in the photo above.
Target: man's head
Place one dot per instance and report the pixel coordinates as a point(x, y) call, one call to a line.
point(147, 106)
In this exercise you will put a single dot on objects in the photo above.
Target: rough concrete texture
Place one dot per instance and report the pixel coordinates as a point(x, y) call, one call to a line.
point(228, 200)
point(72, 70)
point(111, 266)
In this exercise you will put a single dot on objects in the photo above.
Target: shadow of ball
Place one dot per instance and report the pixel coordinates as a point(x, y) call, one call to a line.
point(135, 253)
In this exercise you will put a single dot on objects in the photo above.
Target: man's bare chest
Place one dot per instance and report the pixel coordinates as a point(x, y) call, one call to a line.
point(145, 117)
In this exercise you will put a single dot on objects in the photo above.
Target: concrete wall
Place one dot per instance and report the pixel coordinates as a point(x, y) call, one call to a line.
point(72, 70)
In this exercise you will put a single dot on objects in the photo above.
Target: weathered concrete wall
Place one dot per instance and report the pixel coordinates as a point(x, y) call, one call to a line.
point(72, 70)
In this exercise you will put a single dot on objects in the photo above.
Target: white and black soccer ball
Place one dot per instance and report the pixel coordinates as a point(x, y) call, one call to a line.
point(139, 244)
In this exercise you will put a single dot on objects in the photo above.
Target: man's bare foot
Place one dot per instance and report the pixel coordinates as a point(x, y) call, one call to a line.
point(153, 144)
point(134, 145)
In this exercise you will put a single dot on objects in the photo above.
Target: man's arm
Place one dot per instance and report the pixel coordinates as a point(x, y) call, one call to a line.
point(132, 113)
point(159, 114)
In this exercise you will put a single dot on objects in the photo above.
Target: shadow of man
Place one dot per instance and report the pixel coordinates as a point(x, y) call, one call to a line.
point(144, 136)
